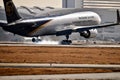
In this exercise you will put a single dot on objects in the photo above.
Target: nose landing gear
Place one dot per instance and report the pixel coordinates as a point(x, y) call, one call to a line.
point(67, 41)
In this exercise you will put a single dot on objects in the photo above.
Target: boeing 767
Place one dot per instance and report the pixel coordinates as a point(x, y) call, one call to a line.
point(86, 23)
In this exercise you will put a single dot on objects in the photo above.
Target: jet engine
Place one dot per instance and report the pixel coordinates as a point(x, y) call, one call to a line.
point(89, 33)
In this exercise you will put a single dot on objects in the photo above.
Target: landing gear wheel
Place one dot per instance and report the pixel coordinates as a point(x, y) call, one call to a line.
point(35, 40)
point(66, 42)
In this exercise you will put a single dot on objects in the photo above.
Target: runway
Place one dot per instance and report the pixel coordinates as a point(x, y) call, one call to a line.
point(93, 76)
point(57, 45)
point(30, 65)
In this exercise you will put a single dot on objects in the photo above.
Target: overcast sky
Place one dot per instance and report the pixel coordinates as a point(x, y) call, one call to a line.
point(40, 3)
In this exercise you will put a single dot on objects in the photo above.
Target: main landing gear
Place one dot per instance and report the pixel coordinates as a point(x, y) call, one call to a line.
point(36, 39)
point(67, 41)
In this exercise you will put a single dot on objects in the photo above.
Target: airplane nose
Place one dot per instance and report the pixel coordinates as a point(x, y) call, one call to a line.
point(98, 19)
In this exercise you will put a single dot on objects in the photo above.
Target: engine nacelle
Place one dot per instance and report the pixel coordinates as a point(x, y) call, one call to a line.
point(89, 33)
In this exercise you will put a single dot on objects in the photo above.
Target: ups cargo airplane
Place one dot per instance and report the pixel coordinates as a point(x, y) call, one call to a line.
point(85, 23)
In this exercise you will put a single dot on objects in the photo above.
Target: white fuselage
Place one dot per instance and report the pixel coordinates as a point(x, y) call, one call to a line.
point(59, 23)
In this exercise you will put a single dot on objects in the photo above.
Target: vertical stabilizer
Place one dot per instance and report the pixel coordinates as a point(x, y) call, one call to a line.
point(11, 11)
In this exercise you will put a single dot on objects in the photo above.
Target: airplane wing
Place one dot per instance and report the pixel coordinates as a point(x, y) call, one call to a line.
point(85, 28)
point(94, 27)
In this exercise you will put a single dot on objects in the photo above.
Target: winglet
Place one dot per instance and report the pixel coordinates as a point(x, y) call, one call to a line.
point(118, 17)
point(11, 11)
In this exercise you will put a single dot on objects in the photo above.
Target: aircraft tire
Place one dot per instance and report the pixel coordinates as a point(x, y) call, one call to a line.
point(66, 42)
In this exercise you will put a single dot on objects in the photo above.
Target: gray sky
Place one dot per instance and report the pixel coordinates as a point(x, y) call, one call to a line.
point(40, 3)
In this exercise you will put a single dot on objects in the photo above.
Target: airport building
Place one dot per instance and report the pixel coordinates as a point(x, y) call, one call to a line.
point(38, 6)
point(72, 3)
point(102, 4)
point(39, 3)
